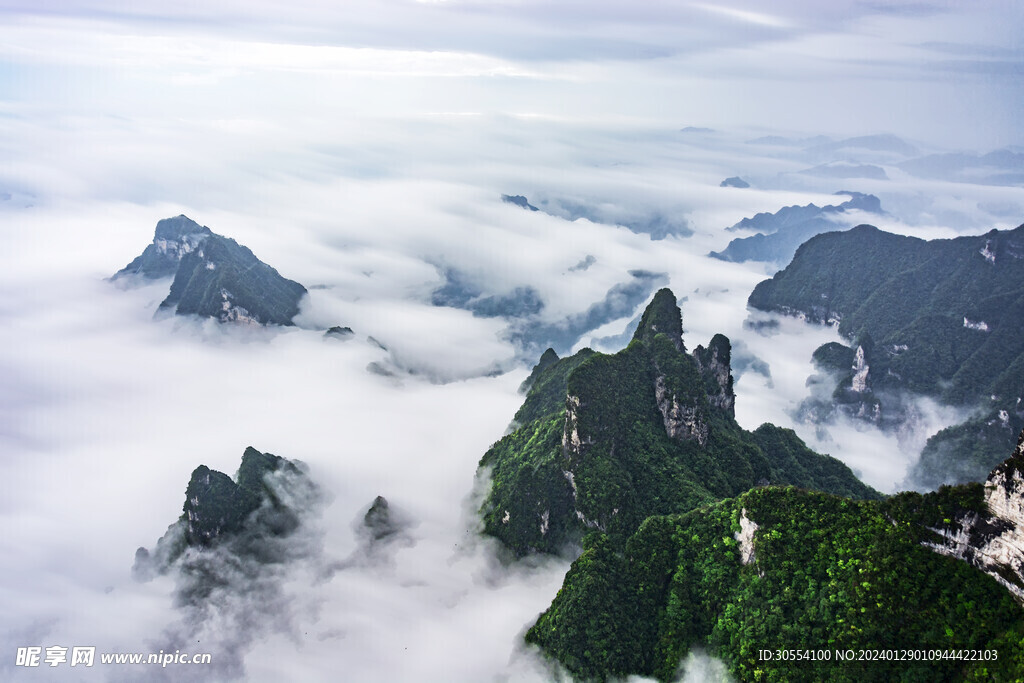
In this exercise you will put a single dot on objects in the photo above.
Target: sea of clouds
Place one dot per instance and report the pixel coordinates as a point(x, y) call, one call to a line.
point(364, 159)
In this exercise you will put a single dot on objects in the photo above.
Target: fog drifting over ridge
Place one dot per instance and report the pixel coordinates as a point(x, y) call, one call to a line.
point(354, 149)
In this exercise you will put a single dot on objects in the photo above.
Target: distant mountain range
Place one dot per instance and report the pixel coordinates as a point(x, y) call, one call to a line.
point(868, 156)
point(1001, 167)
point(780, 233)
point(823, 147)
point(847, 170)
point(884, 142)
point(214, 276)
point(655, 224)
point(943, 318)
point(521, 306)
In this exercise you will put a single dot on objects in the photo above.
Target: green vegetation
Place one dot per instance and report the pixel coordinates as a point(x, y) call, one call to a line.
point(828, 574)
point(215, 505)
point(690, 537)
point(834, 356)
point(697, 533)
point(947, 320)
point(602, 442)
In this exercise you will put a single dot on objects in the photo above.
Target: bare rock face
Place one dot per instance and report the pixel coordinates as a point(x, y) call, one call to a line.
point(174, 238)
point(715, 363)
point(745, 538)
point(682, 422)
point(572, 443)
point(994, 541)
point(860, 371)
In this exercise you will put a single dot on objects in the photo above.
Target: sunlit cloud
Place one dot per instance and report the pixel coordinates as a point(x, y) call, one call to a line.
point(735, 13)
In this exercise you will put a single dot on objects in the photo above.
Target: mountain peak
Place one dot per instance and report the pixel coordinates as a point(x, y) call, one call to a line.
point(178, 227)
point(214, 276)
point(662, 316)
point(173, 240)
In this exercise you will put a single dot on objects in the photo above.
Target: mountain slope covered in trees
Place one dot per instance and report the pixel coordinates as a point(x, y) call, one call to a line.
point(605, 441)
point(780, 569)
point(944, 318)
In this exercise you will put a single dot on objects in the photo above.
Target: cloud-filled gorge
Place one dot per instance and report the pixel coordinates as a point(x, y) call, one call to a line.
point(365, 154)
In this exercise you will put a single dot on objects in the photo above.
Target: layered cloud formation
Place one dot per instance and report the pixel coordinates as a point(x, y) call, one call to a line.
point(362, 149)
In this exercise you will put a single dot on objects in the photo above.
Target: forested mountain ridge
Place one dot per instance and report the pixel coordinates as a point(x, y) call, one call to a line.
point(783, 569)
point(604, 441)
point(943, 318)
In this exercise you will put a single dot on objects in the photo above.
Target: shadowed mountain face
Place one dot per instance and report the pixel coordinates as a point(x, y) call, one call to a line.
point(605, 441)
point(944, 318)
point(214, 276)
point(218, 510)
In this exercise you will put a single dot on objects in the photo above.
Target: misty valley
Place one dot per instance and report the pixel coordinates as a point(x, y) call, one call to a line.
point(461, 341)
point(685, 532)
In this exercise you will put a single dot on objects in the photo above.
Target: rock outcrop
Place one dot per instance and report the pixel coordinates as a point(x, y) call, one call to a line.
point(993, 540)
point(265, 499)
point(662, 316)
point(714, 363)
point(682, 422)
point(215, 277)
point(174, 238)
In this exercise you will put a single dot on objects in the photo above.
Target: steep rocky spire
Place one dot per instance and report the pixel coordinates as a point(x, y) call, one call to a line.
point(662, 317)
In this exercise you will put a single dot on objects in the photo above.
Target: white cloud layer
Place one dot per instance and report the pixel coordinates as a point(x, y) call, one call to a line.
point(358, 148)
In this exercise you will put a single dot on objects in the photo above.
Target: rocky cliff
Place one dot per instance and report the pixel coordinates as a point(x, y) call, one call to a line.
point(174, 238)
point(214, 276)
point(992, 538)
point(265, 499)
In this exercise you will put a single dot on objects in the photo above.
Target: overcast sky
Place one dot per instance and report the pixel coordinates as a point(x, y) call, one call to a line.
point(361, 148)
point(947, 72)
